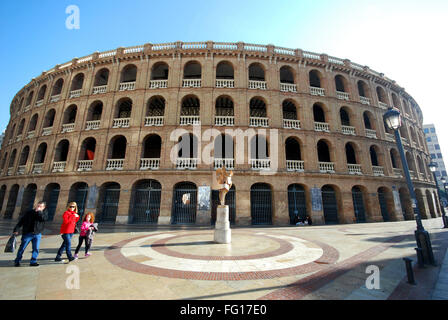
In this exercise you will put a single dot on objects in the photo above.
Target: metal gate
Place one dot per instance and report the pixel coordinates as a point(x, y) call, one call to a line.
point(109, 205)
point(2, 197)
point(28, 200)
point(330, 206)
point(184, 204)
point(383, 205)
point(296, 203)
point(358, 205)
point(11, 205)
point(80, 198)
point(230, 201)
point(261, 204)
point(51, 198)
point(146, 203)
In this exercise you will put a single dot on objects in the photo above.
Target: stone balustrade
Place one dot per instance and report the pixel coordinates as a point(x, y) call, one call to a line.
point(121, 123)
point(291, 124)
point(224, 120)
point(153, 121)
point(149, 163)
point(114, 164)
point(259, 122)
point(295, 165)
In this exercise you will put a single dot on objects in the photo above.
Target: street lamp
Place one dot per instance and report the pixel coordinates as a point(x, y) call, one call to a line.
point(392, 118)
point(433, 167)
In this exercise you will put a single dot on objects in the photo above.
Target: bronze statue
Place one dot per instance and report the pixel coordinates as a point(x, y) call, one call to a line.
point(224, 180)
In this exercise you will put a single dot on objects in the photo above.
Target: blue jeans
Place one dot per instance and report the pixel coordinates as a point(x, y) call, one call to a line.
point(26, 239)
point(67, 245)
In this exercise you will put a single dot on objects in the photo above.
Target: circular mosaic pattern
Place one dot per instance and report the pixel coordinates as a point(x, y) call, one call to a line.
point(251, 255)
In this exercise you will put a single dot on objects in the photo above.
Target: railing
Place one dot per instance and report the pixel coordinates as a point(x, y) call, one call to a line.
point(121, 123)
point(253, 84)
point(390, 137)
point(354, 168)
point(55, 98)
point(224, 46)
point(189, 120)
point(317, 91)
point(18, 137)
point(68, 127)
point(295, 165)
point(153, 121)
point(99, 89)
point(59, 166)
point(321, 126)
point(224, 120)
point(378, 171)
point(364, 100)
point(27, 108)
point(149, 163)
point(134, 49)
point(10, 170)
point(225, 83)
point(191, 83)
point(114, 164)
point(258, 122)
point(326, 167)
point(37, 168)
point(75, 93)
point(85, 165)
point(405, 141)
point(398, 172)
point(158, 84)
point(342, 95)
point(186, 163)
point(382, 105)
point(30, 134)
point(370, 133)
point(127, 86)
point(288, 87)
point(412, 174)
point(348, 130)
point(311, 55)
point(260, 164)
point(47, 131)
point(221, 162)
point(291, 124)
point(421, 176)
point(39, 103)
point(21, 170)
point(93, 124)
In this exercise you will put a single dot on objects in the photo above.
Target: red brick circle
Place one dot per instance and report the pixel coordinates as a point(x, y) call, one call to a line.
point(113, 255)
point(160, 246)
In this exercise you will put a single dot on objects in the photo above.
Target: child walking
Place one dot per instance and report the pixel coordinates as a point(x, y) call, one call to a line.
point(88, 227)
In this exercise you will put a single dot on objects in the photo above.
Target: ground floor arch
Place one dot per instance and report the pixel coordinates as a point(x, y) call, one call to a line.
point(145, 204)
point(184, 203)
point(108, 200)
point(261, 204)
point(297, 200)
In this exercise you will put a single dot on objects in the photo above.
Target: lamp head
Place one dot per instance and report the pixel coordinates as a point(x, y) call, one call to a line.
point(392, 118)
point(432, 166)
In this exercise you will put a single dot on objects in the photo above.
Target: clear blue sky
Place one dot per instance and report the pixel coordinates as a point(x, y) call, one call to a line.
point(406, 40)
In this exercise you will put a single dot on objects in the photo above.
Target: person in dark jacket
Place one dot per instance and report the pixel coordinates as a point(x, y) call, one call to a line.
point(32, 224)
point(69, 219)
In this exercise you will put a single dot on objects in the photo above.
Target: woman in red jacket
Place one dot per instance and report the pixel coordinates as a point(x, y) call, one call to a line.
point(69, 220)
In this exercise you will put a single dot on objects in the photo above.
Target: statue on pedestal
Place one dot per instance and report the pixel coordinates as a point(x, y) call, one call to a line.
point(224, 180)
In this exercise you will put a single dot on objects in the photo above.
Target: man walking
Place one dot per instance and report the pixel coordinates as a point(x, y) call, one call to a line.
point(32, 223)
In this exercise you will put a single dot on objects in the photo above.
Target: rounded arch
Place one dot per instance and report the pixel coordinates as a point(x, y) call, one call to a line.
point(41, 93)
point(257, 106)
point(187, 146)
point(369, 120)
point(61, 152)
point(129, 73)
point(363, 89)
point(159, 71)
point(51, 197)
point(95, 110)
point(145, 205)
point(29, 196)
point(287, 75)
point(395, 158)
point(108, 199)
point(293, 148)
point(101, 77)
point(259, 147)
point(78, 193)
point(345, 114)
point(224, 106)
point(359, 196)
point(289, 109)
point(12, 199)
point(117, 147)
point(184, 203)
point(33, 122)
point(24, 156)
point(350, 153)
point(70, 114)
point(431, 203)
point(319, 112)
point(381, 94)
point(192, 70)
point(341, 83)
point(57, 87)
point(223, 147)
point(315, 78)
point(123, 108)
point(190, 106)
point(386, 202)
point(256, 72)
point(152, 145)
point(324, 151)
point(49, 118)
point(297, 203)
point(225, 70)
point(261, 204)
point(330, 203)
point(155, 107)
point(41, 153)
point(77, 82)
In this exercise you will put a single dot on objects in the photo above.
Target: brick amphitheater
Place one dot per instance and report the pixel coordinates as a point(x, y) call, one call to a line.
point(308, 127)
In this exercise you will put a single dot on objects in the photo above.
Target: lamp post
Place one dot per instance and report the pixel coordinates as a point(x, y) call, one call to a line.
point(392, 118)
point(433, 167)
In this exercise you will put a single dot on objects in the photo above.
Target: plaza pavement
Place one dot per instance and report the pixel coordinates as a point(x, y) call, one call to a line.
point(182, 262)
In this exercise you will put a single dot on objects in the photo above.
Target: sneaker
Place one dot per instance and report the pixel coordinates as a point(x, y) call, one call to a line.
point(35, 264)
point(16, 264)
point(88, 254)
point(75, 256)
point(58, 259)
point(71, 259)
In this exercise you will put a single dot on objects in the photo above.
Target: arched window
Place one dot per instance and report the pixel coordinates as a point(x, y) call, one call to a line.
point(95, 111)
point(318, 113)
point(155, 107)
point(368, 120)
point(57, 88)
point(344, 115)
point(29, 98)
point(70, 114)
point(87, 151)
point(382, 97)
point(224, 70)
point(292, 149)
point(129, 74)
point(123, 109)
point(192, 70)
point(40, 154)
point(289, 110)
point(49, 118)
point(190, 110)
point(286, 75)
point(341, 83)
point(184, 203)
point(33, 123)
point(259, 148)
point(117, 147)
point(188, 146)
point(261, 204)
point(101, 77)
point(224, 107)
point(373, 156)
point(24, 156)
point(315, 79)
point(61, 151)
point(159, 71)
point(256, 72)
point(258, 114)
point(363, 89)
point(77, 82)
point(145, 204)
point(41, 94)
point(350, 153)
point(152, 145)
point(323, 151)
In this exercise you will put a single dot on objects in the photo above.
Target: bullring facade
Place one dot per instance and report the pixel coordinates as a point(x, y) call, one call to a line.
point(98, 130)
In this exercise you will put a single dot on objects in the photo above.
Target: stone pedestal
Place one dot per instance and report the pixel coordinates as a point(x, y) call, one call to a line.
point(223, 233)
